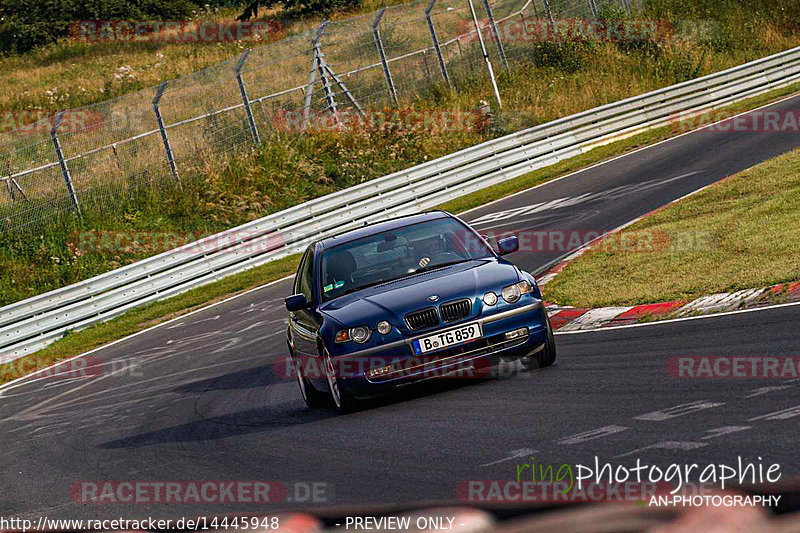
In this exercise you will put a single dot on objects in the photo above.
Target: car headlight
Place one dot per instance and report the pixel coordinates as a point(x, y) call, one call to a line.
point(384, 327)
point(512, 293)
point(490, 298)
point(359, 334)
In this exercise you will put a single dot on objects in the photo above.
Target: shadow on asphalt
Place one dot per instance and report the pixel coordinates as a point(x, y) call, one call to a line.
point(285, 414)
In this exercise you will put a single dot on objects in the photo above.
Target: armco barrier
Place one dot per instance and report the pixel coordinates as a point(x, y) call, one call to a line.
point(31, 324)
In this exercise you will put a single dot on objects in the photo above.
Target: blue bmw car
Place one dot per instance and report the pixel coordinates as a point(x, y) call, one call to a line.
point(409, 299)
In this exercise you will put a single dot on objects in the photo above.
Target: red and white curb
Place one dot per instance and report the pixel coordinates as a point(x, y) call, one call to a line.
point(578, 319)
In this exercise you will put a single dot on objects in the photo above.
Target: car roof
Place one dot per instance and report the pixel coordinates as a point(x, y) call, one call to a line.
point(379, 227)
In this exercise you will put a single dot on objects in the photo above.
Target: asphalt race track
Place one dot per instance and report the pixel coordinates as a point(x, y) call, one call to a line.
point(204, 398)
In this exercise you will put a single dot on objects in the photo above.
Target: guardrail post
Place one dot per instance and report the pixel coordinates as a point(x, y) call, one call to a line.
point(435, 40)
point(485, 56)
point(250, 120)
point(496, 34)
point(167, 148)
point(376, 34)
point(549, 13)
point(593, 8)
point(63, 163)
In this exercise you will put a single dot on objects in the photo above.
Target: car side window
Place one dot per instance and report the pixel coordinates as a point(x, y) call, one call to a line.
point(305, 276)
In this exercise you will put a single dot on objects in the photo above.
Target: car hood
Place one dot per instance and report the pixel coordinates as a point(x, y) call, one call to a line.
point(393, 300)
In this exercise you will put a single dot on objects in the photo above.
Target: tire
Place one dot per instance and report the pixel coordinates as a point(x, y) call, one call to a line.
point(311, 396)
point(546, 356)
point(342, 402)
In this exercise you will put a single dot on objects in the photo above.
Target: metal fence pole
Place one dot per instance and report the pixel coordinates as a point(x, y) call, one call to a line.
point(435, 40)
point(312, 78)
point(485, 56)
point(593, 7)
point(496, 34)
point(245, 100)
point(167, 148)
point(323, 73)
point(63, 163)
point(552, 19)
point(376, 34)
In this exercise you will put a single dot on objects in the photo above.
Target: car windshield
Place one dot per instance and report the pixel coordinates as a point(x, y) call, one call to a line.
point(395, 254)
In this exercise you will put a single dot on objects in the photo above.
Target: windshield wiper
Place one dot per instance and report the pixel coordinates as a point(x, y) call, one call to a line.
point(428, 268)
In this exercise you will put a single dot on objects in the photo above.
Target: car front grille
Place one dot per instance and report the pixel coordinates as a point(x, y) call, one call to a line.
point(455, 310)
point(424, 318)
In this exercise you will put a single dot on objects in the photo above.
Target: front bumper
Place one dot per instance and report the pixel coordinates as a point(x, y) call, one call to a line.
point(473, 359)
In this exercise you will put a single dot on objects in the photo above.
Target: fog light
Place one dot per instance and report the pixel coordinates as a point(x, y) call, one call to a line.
point(517, 334)
point(378, 372)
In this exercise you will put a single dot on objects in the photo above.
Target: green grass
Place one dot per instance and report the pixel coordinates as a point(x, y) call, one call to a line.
point(139, 319)
point(737, 234)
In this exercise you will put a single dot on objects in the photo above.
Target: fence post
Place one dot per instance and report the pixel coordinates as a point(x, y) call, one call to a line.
point(245, 100)
point(496, 34)
point(485, 56)
point(549, 13)
point(593, 7)
point(312, 78)
point(435, 40)
point(167, 148)
point(63, 163)
point(379, 45)
point(319, 61)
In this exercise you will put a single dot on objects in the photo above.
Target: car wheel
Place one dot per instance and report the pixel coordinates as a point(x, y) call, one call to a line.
point(547, 355)
point(342, 401)
point(311, 395)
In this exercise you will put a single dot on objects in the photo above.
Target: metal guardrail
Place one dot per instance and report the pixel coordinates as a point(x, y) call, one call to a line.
point(31, 324)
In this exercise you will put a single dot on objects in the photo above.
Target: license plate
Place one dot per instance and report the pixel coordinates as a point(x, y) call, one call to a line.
point(451, 337)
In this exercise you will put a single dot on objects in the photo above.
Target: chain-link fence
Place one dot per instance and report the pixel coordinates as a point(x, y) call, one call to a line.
point(144, 141)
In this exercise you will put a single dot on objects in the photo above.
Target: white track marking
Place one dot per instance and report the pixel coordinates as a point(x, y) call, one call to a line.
point(779, 415)
point(724, 430)
point(667, 445)
point(766, 390)
point(591, 435)
point(678, 410)
point(513, 454)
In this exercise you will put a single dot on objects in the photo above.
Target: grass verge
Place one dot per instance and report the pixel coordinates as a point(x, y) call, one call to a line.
point(139, 319)
point(736, 234)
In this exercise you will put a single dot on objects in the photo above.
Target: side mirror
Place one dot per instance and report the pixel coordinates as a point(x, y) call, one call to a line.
point(509, 245)
point(296, 302)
